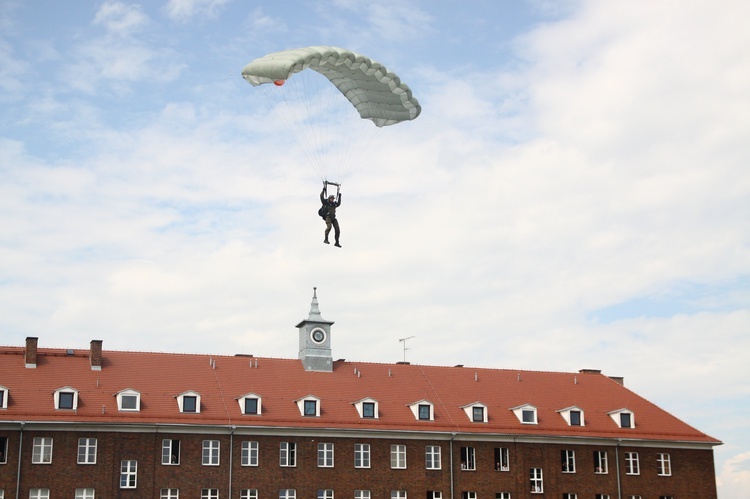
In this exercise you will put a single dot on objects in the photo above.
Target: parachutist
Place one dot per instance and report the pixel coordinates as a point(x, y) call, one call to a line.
point(328, 212)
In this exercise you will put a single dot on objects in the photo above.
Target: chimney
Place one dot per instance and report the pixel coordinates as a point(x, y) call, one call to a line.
point(95, 355)
point(30, 356)
point(590, 371)
point(620, 380)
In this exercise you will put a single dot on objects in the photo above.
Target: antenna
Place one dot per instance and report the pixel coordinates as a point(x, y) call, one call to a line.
point(403, 340)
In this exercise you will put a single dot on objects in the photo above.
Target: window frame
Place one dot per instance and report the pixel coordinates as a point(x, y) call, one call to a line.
point(502, 459)
point(305, 403)
point(325, 494)
point(362, 453)
point(288, 454)
point(325, 455)
point(85, 493)
point(169, 493)
point(287, 493)
point(522, 411)
point(398, 456)
point(600, 457)
point(664, 464)
point(128, 393)
point(632, 464)
point(39, 493)
point(195, 402)
point(568, 460)
point(468, 458)
point(248, 493)
point(362, 494)
point(128, 474)
point(209, 493)
point(3, 449)
point(41, 450)
point(211, 453)
point(87, 444)
point(423, 410)
point(168, 453)
point(536, 480)
point(619, 417)
point(3, 397)
point(71, 398)
point(242, 402)
point(249, 453)
point(433, 457)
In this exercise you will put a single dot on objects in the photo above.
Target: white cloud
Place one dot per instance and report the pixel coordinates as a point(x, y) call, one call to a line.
point(186, 9)
point(121, 19)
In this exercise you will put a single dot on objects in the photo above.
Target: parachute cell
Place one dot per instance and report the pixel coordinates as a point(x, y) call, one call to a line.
point(376, 93)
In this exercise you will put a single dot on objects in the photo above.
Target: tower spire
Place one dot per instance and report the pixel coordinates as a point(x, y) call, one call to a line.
point(315, 339)
point(314, 309)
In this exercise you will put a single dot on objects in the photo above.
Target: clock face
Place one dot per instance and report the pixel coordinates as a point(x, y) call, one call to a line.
point(318, 335)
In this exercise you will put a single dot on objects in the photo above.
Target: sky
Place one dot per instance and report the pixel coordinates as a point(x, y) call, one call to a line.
point(575, 193)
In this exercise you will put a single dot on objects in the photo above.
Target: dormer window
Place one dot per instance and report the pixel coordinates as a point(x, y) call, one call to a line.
point(250, 404)
point(423, 410)
point(128, 400)
point(66, 398)
point(3, 399)
point(573, 416)
point(367, 408)
point(189, 402)
point(476, 412)
point(526, 414)
point(623, 418)
point(309, 406)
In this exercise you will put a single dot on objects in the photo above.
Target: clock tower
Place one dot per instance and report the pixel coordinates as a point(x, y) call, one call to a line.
point(315, 340)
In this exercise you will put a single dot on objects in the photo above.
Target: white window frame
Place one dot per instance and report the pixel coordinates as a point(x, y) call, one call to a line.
point(128, 474)
point(248, 493)
point(325, 493)
point(85, 493)
point(568, 460)
point(128, 392)
point(432, 457)
point(249, 396)
point(193, 396)
point(524, 409)
point(536, 480)
point(664, 462)
point(288, 455)
point(502, 459)
point(249, 453)
point(362, 494)
point(398, 457)
point(567, 415)
point(468, 494)
point(600, 456)
point(569, 495)
point(3, 397)
point(68, 390)
point(38, 493)
point(42, 450)
point(469, 409)
point(617, 417)
point(87, 451)
point(169, 493)
point(301, 405)
point(325, 455)
point(287, 493)
point(211, 453)
point(362, 454)
point(502, 495)
point(360, 407)
point(398, 494)
point(468, 458)
point(209, 493)
point(601, 496)
point(170, 451)
point(434, 494)
point(632, 464)
point(415, 409)
point(3, 451)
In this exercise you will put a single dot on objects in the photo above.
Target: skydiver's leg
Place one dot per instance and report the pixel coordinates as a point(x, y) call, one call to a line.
point(337, 231)
point(328, 230)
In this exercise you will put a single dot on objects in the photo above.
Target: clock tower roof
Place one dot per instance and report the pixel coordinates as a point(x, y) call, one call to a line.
point(314, 315)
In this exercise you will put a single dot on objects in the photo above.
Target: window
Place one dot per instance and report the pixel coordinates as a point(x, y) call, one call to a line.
point(66, 398)
point(666, 497)
point(3, 450)
point(85, 494)
point(526, 413)
point(128, 474)
point(664, 464)
point(248, 493)
point(432, 457)
point(398, 494)
point(368, 409)
point(42, 451)
point(502, 461)
point(311, 407)
point(361, 494)
point(602, 496)
point(631, 464)
point(398, 456)
point(325, 455)
point(86, 451)
point(600, 462)
point(325, 494)
point(575, 418)
point(502, 495)
point(128, 400)
point(424, 412)
point(3, 401)
point(536, 481)
point(624, 418)
point(210, 453)
point(170, 451)
point(209, 493)
point(287, 494)
point(467, 459)
point(169, 494)
point(189, 402)
point(249, 453)
point(251, 405)
point(288, 455)
point(39, 494)
point(361, 455)
point(477, 414)
point(570, 496)
point(468, 495)
point(568, 460)
point(433, 494)
point(635, 497)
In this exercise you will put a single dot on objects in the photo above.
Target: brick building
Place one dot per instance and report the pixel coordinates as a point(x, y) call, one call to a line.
point(110, 424)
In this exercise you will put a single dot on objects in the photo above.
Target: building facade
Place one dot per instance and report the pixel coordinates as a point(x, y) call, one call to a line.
point(97, 424)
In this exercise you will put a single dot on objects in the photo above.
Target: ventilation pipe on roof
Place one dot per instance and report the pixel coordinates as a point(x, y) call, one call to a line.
point(519, 377)
point(476, 377)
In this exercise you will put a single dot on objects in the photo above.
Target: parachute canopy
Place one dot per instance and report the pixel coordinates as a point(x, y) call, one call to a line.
point(376, 93)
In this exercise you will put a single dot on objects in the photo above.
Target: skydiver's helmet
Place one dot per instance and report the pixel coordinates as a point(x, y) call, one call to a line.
point(331, 198)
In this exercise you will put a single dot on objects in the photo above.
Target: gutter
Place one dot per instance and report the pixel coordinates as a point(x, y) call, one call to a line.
point(231, 454)
point(20, 454)
point(617, 463)
point(453, 435)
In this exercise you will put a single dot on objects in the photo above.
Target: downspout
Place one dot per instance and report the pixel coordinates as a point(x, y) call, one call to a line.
point(20, 449)
point(231, 454)
point(617, 462)
point(453, 435)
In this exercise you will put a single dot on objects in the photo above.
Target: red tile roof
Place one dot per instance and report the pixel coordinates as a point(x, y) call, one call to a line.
point(160, 377)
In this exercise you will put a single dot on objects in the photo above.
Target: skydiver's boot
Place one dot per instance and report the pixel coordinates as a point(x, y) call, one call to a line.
point(326, 241)
point(337, 244)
